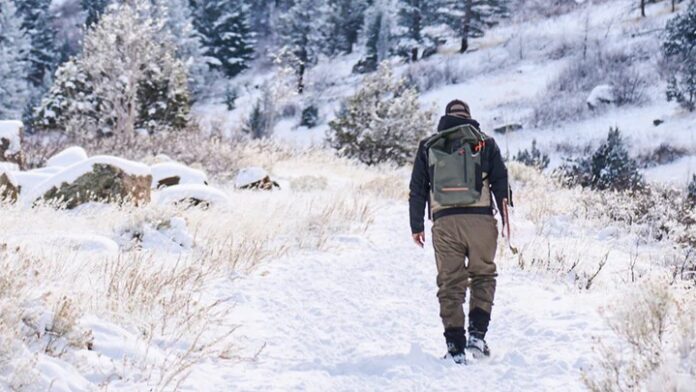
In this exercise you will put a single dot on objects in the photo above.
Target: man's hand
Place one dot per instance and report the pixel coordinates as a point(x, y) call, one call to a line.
point(419, 238)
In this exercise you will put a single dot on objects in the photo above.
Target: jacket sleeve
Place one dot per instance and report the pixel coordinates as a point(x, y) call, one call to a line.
point(419, 190)
point(498, 177)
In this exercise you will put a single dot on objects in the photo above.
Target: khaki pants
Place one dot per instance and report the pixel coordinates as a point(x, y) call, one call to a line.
point(457, 238)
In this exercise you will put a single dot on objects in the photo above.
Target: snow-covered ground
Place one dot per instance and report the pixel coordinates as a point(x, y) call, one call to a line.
point(364, 316)
point(317, 286)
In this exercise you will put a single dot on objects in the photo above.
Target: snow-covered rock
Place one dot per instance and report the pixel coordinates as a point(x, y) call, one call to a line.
point(254, 178)
point(174, 173)
point(100, 178)
point(9, 188)
point(195, 194)
point(27, 180)
point(67, 157)
point(601, 95)
point(11, 141)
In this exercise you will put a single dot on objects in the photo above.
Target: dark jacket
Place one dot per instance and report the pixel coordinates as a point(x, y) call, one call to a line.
point(491, 163)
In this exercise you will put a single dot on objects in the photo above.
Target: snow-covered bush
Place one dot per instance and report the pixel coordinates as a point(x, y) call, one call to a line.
point(662, 155)
point(127, 79)
point(381, 122)
point(610, 167)
point(533, 157)
point(679, 49)
point(428, 75)
point(310, 116)
point(259, 124)
point(564, 98)
point(657, 342)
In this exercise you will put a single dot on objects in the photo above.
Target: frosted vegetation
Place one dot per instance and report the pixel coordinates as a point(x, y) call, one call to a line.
point(314, 285)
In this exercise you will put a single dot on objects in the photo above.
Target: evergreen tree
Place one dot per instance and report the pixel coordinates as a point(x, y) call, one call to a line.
point(372, 46)
point(37, 23)
point(345, 19)
point(533, 157)
point(300, 34)
point(610, 167)
point(126, 79)
point(381, 122)
point(94, 10)
point(14, 51)
point(226, 36)
point(410, 33)
point(679, 49)
point(470, 18)
point(178, 18)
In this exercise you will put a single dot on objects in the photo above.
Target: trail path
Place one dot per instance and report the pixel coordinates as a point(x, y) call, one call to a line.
point(364, 317)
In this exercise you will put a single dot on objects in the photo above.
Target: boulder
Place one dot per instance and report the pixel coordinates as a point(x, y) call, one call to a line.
point(503, 129)
point(9, 190)
point(101, 178)
point(172, 173)
point(255, 178)
point(11, 142)
point(601, 95)
point(192, 194)
point(67, 157)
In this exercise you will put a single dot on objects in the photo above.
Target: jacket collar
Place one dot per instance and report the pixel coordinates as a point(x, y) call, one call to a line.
point(448, 122)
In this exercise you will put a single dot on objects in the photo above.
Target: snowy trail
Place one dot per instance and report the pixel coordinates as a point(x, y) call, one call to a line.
point(365, 317)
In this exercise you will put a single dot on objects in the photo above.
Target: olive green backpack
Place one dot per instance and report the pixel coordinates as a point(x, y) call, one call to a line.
point(455, 158)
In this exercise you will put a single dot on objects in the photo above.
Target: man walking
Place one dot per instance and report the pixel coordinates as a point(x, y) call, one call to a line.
point(458, 172)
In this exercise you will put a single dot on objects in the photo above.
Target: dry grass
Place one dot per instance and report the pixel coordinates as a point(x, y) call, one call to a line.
point(127, 267)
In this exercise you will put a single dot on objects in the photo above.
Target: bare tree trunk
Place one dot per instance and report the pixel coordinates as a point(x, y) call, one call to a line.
point(642, 8)
point(416, 33)
point(674, 5)
point(300, 78)
point(466, 22)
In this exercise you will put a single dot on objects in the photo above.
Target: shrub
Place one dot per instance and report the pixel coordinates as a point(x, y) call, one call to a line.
point(381, 122)
point(262, 118)
point(679, 49)
point(310, 116)
point(610, 167)
point(663, 154)
point(533, 157)
point(691, 191)
point(655, 344)
point(231, 96)
point(565, 98)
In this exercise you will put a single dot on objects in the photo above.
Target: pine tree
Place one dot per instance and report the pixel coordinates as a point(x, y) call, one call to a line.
point(679, 49)
point(611, 166)
point(14, 51)
point(533, 157)
point(127, 78)
point(471, 18)
point(226, 36)
point(410, 34)
point(94, 10)
point(300, 34)
point(372, 50)
point(178, 18)
point(345, 19)
point(37, 23)
point(381, 122)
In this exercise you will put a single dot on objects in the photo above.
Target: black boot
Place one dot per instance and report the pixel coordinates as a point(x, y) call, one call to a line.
point(456, 344)
point(478, 326)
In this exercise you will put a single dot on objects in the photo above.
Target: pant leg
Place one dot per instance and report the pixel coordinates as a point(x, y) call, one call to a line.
point(482, 237)
point(452, 276)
